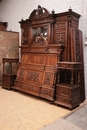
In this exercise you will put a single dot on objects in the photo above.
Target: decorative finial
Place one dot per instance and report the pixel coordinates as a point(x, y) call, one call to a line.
point(70, 9)
point(40, 10)
point(39, 6)
point(22, 19)
point(53, 12)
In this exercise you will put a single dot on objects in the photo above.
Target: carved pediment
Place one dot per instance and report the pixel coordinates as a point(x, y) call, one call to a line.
point(39, 13)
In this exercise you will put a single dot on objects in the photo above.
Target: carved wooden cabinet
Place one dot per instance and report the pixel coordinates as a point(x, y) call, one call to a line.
point(47, 39)
point(68, 84)
point(10, 66)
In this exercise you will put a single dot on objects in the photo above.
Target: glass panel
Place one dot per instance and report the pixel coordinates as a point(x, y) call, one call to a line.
point(40, 31)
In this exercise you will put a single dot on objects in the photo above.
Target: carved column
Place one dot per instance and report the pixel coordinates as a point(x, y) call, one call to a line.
point(72, 75)
point(52, 36)
point(79, 78)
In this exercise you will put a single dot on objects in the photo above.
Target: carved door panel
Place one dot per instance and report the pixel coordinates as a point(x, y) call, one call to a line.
point(21, 74)
point(34, 77)
point(48, 79)
point(48, 83)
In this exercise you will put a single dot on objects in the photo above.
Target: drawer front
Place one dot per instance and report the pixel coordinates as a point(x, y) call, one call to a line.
point(63, 100)
point(33, 88)
point(26, 87)
point(63, 91)
point(68, 92)
point(46, 91)
point(6, 79)
point(67, 102)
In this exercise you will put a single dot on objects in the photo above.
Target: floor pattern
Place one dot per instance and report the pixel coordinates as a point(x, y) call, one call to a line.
point(20, 111)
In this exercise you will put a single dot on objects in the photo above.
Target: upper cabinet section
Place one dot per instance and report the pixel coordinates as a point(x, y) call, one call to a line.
point(43, 28)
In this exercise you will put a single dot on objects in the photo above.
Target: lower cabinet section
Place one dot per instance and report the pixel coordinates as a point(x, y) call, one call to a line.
point(61, 87)
point(69, 91)
point(38, 80)
point(34, 90)
point(46, 93)
point(8, 80)
point(68, 96)
point(67, 102)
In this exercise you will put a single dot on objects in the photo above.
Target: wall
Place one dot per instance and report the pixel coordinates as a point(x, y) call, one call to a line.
point(8, 47)
point(13, 11)
point(0, 12)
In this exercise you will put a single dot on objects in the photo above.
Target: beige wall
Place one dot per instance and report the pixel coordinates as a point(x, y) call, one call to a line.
point(9, 42)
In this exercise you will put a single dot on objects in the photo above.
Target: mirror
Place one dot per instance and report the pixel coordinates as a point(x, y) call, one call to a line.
point(40, 31)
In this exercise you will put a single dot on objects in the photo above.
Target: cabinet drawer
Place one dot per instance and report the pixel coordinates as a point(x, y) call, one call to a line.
point(68, 91)
point(27, 87)
point(47, 91)
point(70, 103)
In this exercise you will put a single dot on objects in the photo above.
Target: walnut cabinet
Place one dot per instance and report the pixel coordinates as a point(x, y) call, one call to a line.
point(48, 39)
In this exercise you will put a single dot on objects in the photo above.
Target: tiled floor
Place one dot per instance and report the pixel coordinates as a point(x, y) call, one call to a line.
point(19, 111)
point(76, 120)
point(79, 117)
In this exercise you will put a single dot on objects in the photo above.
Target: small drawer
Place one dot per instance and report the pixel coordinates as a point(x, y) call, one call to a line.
point(46, 91)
